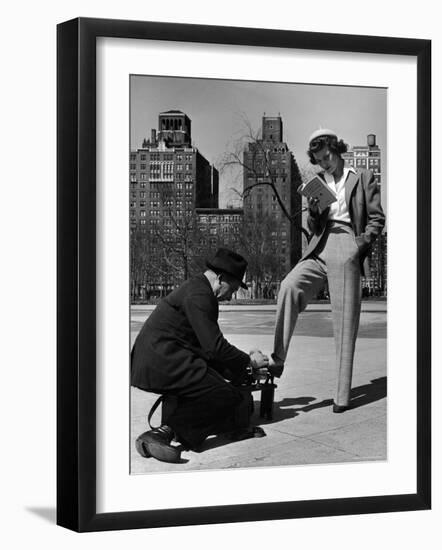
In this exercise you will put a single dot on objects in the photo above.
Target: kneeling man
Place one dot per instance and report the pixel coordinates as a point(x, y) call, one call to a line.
point(181, 353)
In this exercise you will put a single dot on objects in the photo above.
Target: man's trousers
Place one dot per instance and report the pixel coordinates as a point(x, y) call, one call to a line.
point(336, 259)
point(211, 406)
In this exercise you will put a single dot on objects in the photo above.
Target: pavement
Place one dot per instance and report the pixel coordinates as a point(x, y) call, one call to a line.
point(304, 430)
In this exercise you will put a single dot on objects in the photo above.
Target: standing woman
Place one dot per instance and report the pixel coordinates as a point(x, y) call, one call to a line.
point(341, 237)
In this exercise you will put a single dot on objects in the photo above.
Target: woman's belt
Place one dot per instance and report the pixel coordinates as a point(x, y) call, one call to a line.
point(339, 222)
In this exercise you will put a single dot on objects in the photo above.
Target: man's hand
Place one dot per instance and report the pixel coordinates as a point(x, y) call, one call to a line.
point(259, 363)
point(258, 359)
point(313, 205)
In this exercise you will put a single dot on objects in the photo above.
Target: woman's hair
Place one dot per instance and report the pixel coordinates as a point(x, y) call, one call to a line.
point(331, 142)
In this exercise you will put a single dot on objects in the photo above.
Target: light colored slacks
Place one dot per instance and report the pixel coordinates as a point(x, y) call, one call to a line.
point(336, 259)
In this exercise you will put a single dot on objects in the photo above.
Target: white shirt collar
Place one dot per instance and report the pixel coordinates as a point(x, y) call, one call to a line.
point(347, 168)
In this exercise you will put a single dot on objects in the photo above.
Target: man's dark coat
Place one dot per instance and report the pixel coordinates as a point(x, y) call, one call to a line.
point(180, 339)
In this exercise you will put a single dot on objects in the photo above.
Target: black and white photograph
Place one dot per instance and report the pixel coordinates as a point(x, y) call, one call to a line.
point(258, 274)
point(221, 306)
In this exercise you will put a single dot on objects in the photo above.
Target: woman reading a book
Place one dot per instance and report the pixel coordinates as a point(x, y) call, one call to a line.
point(341, 236)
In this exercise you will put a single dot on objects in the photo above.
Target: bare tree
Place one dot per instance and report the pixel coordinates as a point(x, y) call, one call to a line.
point(176, 235)
point(259, 168)
point(257, 243)
point(142, 270)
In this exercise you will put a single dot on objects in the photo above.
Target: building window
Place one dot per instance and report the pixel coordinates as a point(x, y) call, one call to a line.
point(142, 195)
point(143, 157)
point(143, 213)
point(133, 166)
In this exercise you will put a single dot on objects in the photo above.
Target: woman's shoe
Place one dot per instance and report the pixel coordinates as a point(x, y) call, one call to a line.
point(276, 366)
point(340, 408)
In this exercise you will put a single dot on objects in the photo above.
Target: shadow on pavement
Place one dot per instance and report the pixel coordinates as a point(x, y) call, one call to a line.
point(283, 410)
point(214, 442)
point(360, 396)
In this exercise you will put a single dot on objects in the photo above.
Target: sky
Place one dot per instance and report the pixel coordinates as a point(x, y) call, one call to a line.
point(217, 109)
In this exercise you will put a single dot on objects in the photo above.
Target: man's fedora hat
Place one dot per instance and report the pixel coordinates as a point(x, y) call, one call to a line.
point(229, 262)
point(322, 132)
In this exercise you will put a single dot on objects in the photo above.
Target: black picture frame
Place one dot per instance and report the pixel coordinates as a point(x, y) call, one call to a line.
point(76, 274)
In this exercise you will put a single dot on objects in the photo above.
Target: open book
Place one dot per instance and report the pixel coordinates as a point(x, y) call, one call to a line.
point(317, 188)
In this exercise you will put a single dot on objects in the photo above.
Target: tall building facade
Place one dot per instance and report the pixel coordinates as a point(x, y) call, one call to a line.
point(366, 156)
point(369, 157)
point(175, 220)
point(219, 227)
point(269, 165)
point(376, 283)
point(169, 179)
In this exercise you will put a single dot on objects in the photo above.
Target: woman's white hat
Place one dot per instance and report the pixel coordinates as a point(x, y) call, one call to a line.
point(322, 132)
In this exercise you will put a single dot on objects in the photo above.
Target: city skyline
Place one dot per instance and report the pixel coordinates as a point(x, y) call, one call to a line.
point(218, 108)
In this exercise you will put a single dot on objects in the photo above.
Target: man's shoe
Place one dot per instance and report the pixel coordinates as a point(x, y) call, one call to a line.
point(156, 443)
point(276, 366)
point(340, 408)
point(247, 433)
